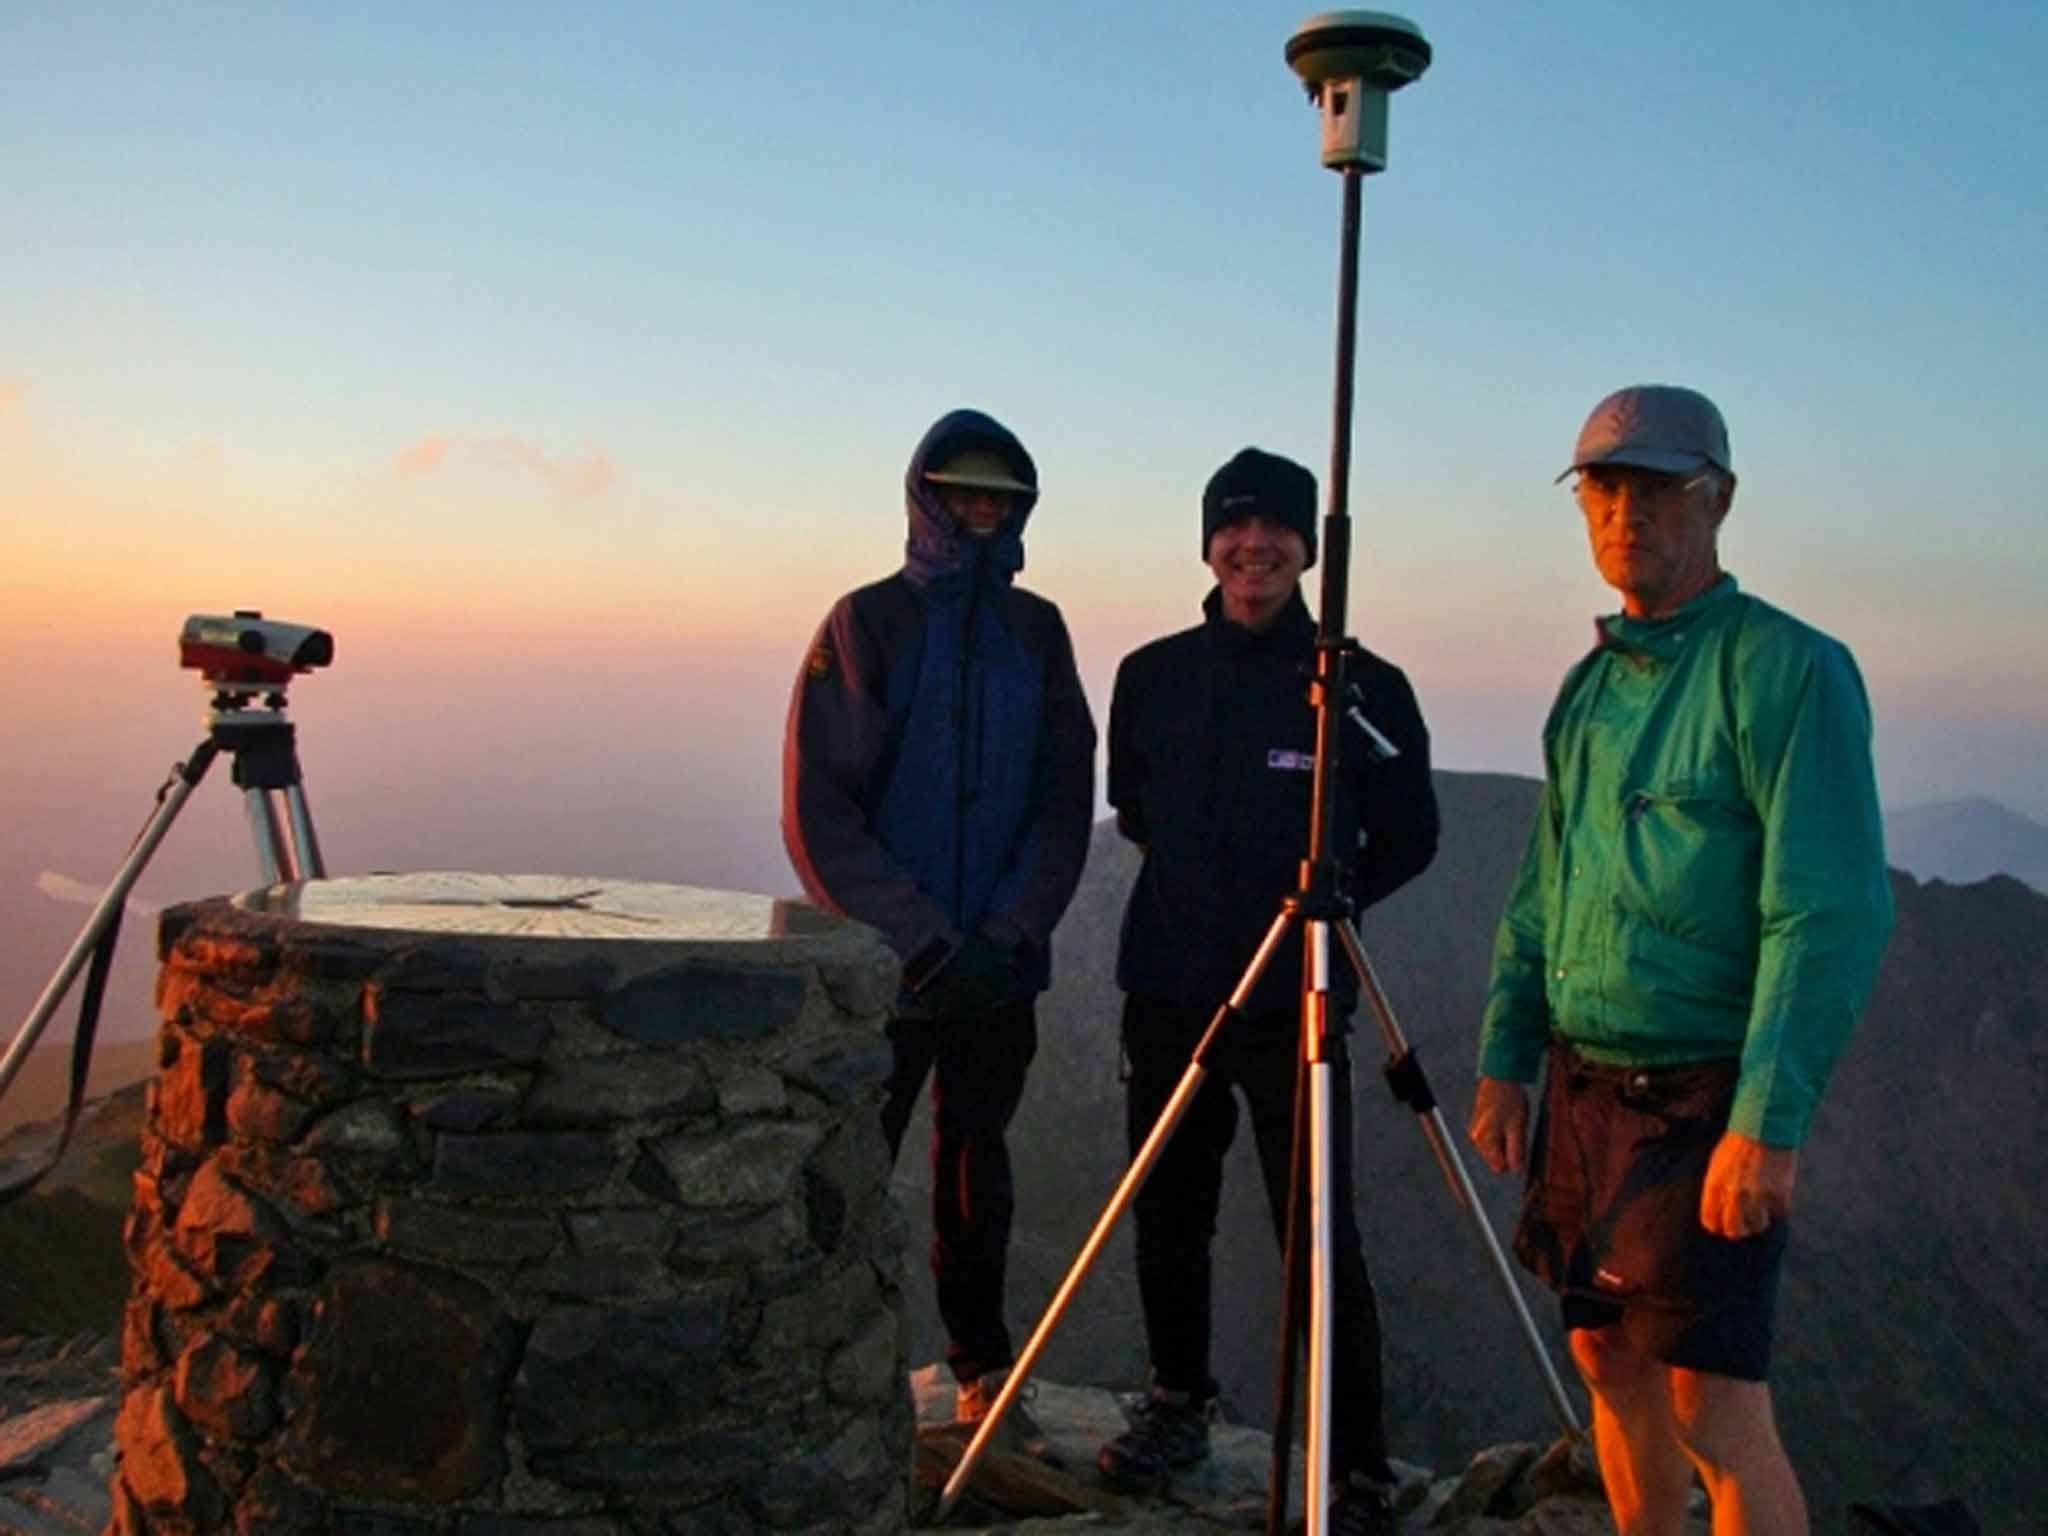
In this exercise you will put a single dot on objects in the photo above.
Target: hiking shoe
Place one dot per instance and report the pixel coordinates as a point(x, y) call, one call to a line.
point(1169, 1432)
point(1019, 1432)
point(1360, 1507)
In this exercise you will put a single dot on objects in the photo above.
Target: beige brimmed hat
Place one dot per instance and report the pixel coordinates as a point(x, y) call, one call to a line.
point(978, 467)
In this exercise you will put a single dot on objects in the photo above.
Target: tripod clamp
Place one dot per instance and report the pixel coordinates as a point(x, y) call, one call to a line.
point(1408, 1083)
point(1313, 905)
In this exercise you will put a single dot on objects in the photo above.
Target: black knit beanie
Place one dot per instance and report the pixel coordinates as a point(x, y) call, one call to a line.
point(1265, 484)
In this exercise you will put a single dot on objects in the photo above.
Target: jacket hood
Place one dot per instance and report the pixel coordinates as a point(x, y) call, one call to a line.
point(938, 546)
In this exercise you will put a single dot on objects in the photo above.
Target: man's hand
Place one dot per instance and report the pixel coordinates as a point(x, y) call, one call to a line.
point(975, 977)
point(1749, 1186)
point(1499, 1126)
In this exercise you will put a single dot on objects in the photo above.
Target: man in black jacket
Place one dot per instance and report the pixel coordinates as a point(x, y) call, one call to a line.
point(1211, 763)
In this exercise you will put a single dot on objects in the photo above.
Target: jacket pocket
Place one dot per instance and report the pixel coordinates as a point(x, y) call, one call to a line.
point(1690, 860)
point(1661, 974)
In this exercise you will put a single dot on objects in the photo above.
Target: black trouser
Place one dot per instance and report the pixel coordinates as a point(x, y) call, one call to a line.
point(1176, 1209)
point(977, 1065)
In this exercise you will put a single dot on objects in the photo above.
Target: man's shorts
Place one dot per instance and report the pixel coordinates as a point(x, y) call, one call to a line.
point(1611, 1217)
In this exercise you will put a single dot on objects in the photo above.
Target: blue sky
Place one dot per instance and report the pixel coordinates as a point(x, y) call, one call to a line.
point(565, 361)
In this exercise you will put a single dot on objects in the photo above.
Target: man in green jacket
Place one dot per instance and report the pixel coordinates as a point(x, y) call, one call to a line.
point(1694, 930)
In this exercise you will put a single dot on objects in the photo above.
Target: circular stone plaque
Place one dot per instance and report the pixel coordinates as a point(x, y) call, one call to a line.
point(537, 907)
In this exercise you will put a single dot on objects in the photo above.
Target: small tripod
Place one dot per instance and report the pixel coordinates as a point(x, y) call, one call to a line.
point(246, 661)
point(1350, 61)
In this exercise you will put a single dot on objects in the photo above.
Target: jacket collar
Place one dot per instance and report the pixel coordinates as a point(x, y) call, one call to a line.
point(1291, 628)
point(943, 561)
point(1662, 639)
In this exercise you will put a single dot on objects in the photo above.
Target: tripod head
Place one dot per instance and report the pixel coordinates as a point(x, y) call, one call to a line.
point(1351, 61)
point(246, 661)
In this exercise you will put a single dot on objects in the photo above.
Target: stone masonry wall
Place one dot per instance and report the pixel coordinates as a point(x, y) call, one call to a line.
point(496, 1237)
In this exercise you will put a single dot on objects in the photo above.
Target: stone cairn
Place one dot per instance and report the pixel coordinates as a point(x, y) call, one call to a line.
point(513, 1236)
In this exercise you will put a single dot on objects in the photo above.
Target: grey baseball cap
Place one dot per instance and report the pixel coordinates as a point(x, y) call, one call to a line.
point(1653, 426)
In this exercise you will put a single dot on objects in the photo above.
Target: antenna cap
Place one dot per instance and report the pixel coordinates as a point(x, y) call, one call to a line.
point(1381, 49)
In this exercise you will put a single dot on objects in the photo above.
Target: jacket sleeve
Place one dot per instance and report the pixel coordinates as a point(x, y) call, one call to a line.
point(1126, 775)
point(1397, 813)
point(1040, 881)
point(1823, 896)
point(832, 748)
point(1516, 1025)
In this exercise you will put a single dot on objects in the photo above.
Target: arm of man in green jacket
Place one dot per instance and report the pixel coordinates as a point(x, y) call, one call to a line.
point(1516, 1026)
point(1748, 1186)
point(1825, 910)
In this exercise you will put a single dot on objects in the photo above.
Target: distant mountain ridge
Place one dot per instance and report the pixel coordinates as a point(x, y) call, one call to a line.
point(42, 1088)
point(1964, 841)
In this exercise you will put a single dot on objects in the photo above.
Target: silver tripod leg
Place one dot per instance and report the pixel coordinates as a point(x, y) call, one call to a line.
point(1461, 1187)
point(180, 790)
point(273, 856)
point(1126, 1191)
point(1315, 1004)
point(306, 860)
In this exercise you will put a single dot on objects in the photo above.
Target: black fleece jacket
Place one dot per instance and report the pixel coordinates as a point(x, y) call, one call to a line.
point(1211, 753)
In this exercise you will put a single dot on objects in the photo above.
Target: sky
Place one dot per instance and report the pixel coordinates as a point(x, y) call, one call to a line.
point(564, 363)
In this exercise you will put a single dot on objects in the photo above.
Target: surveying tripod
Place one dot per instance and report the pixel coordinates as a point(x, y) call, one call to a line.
point(246, 661)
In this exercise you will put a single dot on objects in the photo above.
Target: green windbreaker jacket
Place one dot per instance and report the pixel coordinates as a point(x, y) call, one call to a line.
point(1706, 876)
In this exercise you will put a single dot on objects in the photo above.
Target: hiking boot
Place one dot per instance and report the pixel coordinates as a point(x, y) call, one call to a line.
point(1169, 1432)
point(1360, 1507)
point(1019, 1433)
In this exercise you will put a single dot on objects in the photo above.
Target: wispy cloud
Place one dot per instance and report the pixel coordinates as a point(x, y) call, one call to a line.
point(422, 456)
point(76, 892)
point(11, 394)
point(591, 475)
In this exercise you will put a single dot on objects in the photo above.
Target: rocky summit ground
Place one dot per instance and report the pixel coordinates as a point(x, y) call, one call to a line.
point(58, 1397)
point(1507, 1490)
point(57, 1402)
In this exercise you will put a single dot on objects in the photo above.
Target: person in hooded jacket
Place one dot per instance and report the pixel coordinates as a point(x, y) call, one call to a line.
point(1211, 767)
point(938, 783)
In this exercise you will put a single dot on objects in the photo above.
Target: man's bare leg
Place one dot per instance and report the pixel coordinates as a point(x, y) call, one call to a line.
point(1643, 1463)
point(1729, 1431)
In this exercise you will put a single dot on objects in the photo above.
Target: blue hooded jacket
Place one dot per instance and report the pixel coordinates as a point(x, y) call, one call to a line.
point(938, 768)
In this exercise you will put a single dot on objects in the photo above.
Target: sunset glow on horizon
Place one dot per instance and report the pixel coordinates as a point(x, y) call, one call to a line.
point(566, 369)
